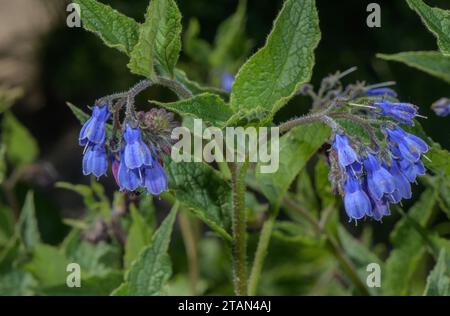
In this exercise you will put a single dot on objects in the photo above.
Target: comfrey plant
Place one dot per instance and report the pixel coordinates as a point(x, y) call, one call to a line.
point(362, 136)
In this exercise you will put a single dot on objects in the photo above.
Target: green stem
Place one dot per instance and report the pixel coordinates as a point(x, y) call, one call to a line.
point(333, 245)
point(239, 226)
point(261, 251)
point(346, 264)
point(190, 244)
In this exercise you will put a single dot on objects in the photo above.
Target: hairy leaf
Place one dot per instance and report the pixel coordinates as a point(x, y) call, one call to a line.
point(274, 74)
point(115, 29)
point(196, 88)
point(152, 269)
point(206, 106)
point(202, 189)
point(159, 39)
point(433, 63)
point(437, 21)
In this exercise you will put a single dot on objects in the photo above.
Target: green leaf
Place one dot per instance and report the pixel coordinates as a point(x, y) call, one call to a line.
point(196, 88)
point(275, 73)
point(2, 162)
point(229, 34)
point(196, 48)
point(206, 106)
point(440, 161)
point(358, 254)
point(21, 147)
point(150, 272)
point(79, 114)
point(300, 232)
point(438, 282)
point(27, 224)
point(159, 39)
point(6, 225)
point(433, 63)
point(48, 265)
point(139, 236)
point(115, 29)
point(409, 246)
point(8, 96)
point(322, 184)
point(17, 283)
point(91, 286)
point(202, 189)
point(296, 147)
point(437, 21)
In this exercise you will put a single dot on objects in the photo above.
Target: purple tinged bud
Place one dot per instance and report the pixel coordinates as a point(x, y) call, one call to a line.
point(441, 107)
point(381, 92)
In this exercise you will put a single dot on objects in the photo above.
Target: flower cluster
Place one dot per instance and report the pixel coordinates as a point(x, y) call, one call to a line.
point(371, 182)
point(135, 164)
point(372, 178)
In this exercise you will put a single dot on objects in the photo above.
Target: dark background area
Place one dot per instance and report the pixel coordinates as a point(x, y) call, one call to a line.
point(74, 65)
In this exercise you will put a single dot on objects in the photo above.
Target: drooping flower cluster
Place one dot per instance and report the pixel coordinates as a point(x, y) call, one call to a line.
point(371, 182)
point(135, 164)
point(441, 107)
point(93, 137)
point(373, 178)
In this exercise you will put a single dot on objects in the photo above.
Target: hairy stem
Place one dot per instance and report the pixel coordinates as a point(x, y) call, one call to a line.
point(239, 226)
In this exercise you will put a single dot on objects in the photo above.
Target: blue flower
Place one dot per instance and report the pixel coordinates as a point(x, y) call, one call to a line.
point(227, 81)
point(401, 112)
point(441, 107)
point(155, 178)
point(379, 180)
point(93, 131)
point(380, 208)
point(411, 169)
point(402, 186)
point(346, 154)
point(381, 92)
point(128, 179)
point(136, 152)
point(410, 146)
point(95, 160)
point(356, 201)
